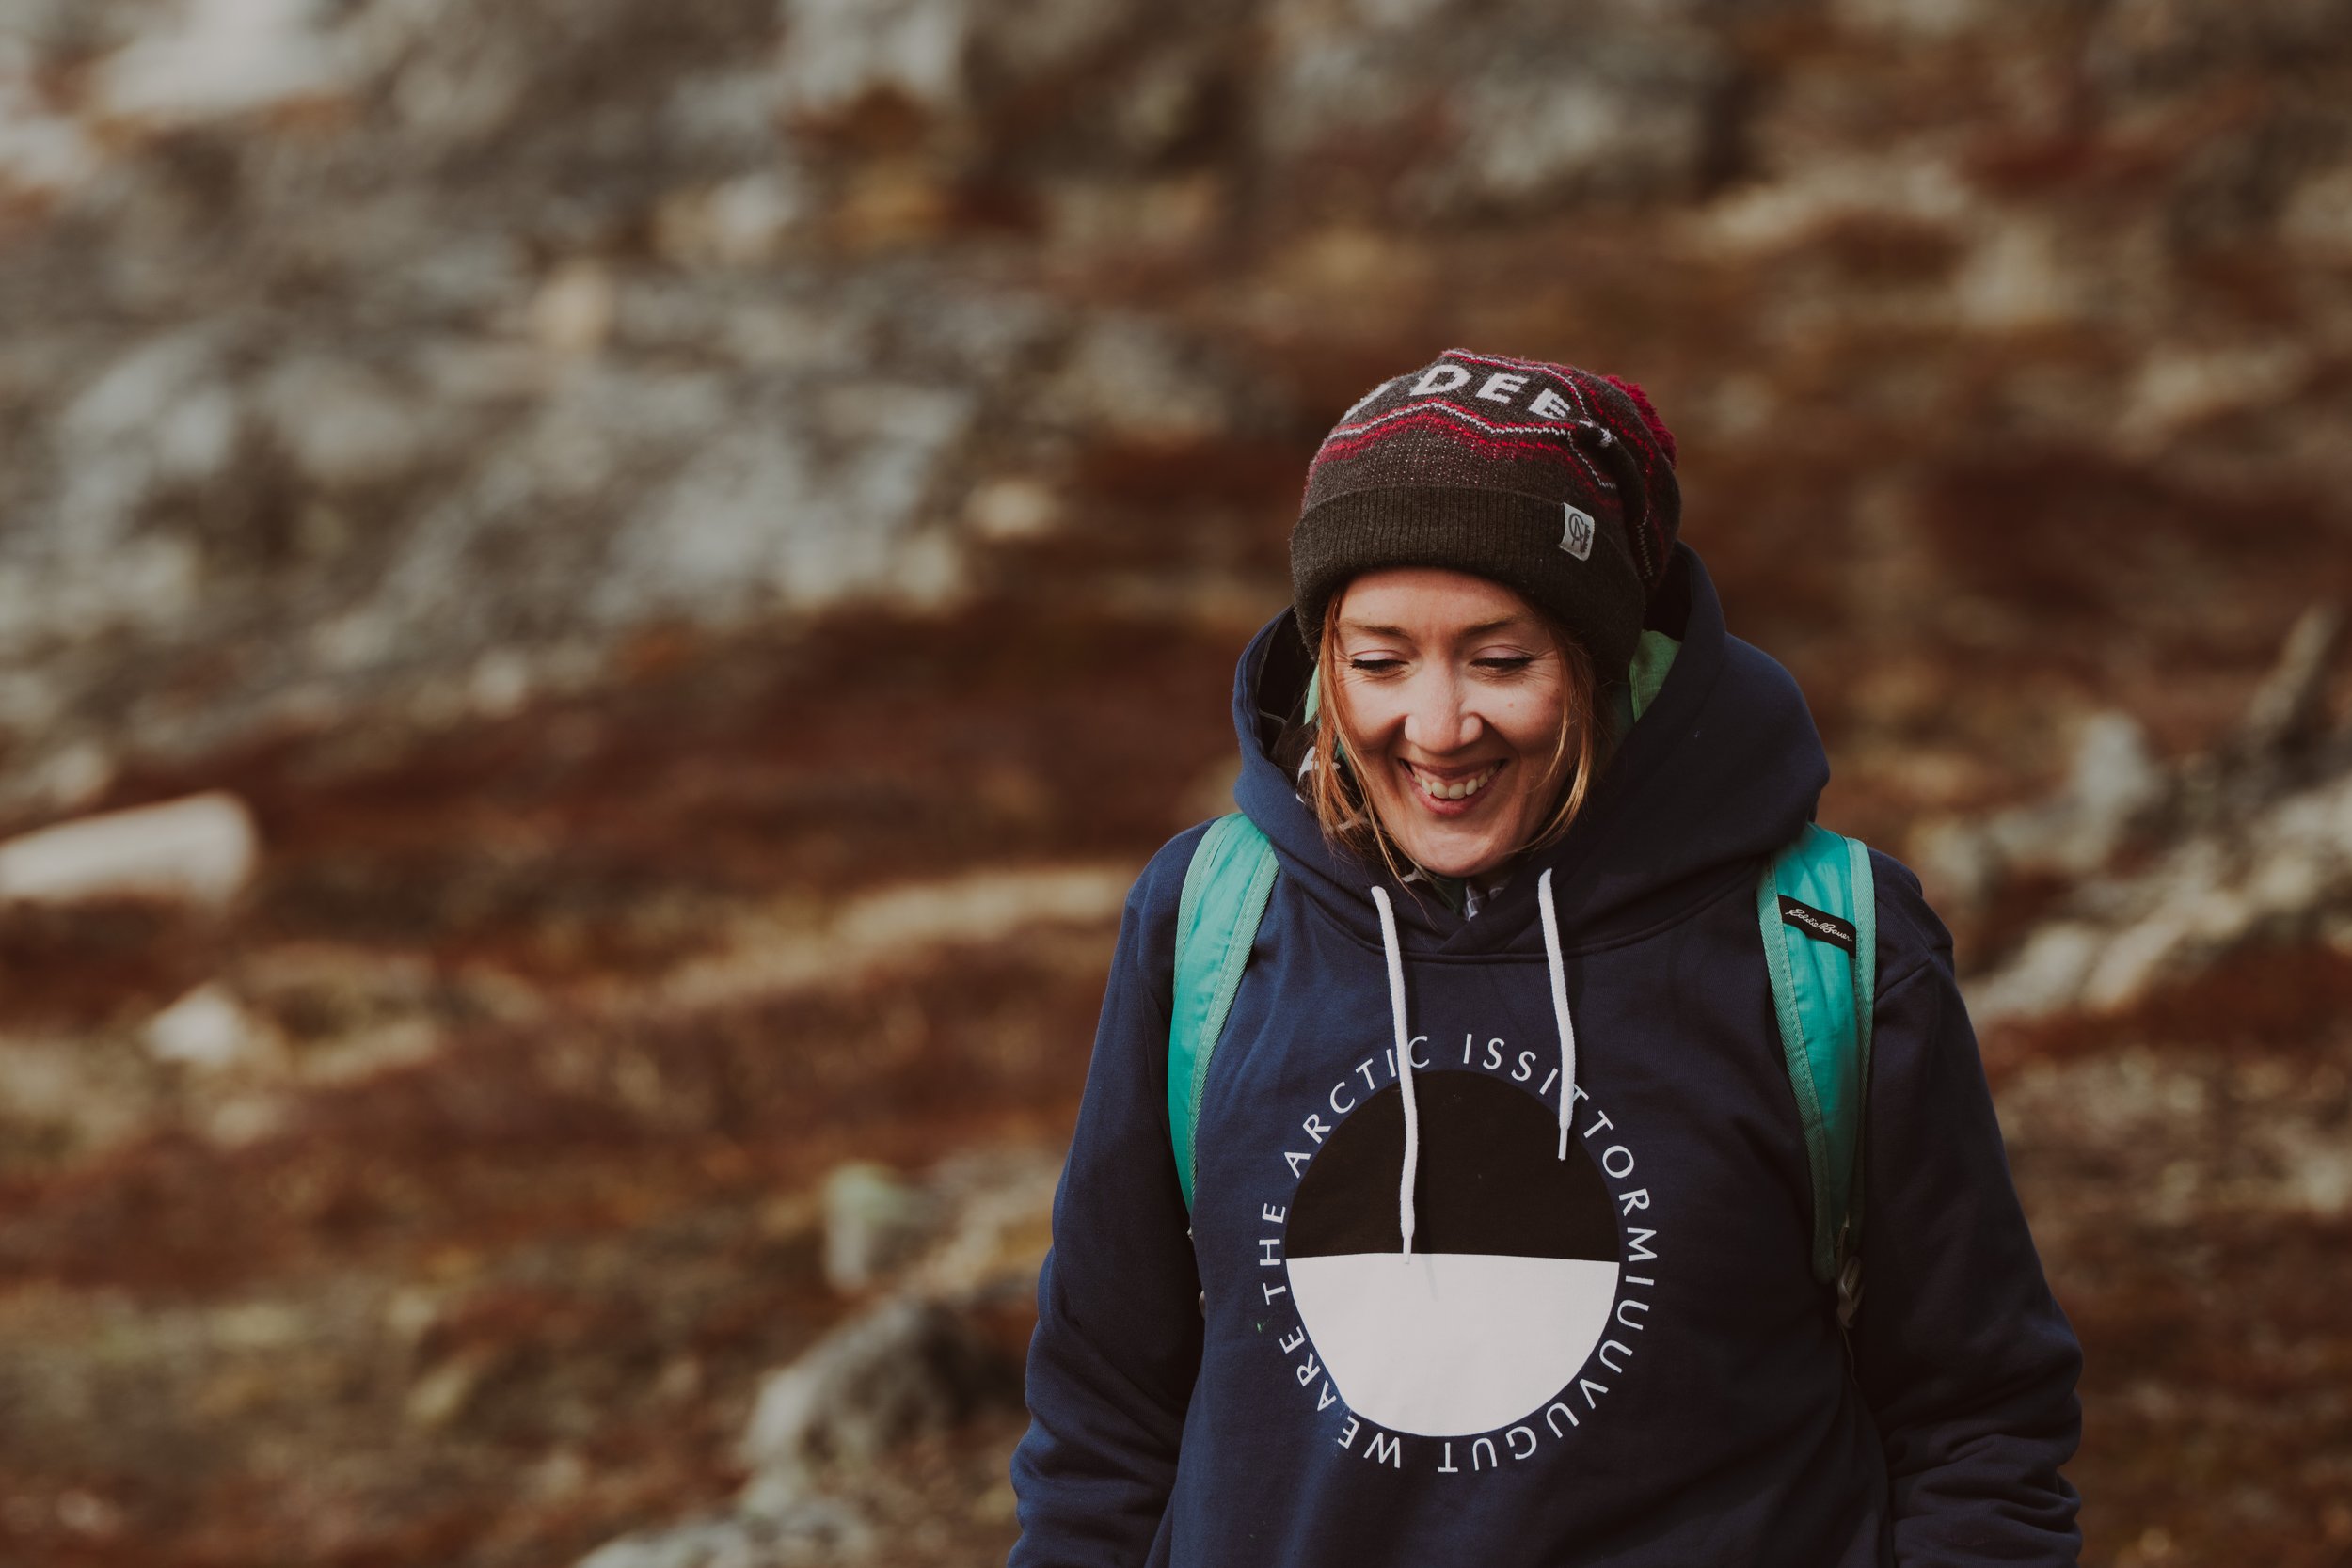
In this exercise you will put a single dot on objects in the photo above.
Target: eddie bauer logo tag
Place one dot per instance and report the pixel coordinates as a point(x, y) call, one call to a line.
point(1818, 923)
point(1577, 536)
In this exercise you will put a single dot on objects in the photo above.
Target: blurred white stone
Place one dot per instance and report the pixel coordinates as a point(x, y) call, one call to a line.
point(342, 425)
point(741, 222)
point(1008, 509)
point(75, 773)
point(2112, 786)
point(1635, 118)
point(2316, 1165)
point(836, 51)
point(210, 1029)
point(876, 1222)
point(1000, 1203)
point(1901, 185)
point(572, 312)
point(812, 1532)
point(904, 1367)
point(202, 848)
point(161, 414)
point(1131, 377)
point(798, 514)
point(2014, 278)
point(2179, 387)
point(2280, 873)
point(2045, 976)
point(2318, 217)
point(41, 150)
point(501, 683)
point(1925, 19)
point(226, 56)
point(2290, 706)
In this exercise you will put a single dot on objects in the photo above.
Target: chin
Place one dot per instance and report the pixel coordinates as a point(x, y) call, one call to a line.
point(1453, 857)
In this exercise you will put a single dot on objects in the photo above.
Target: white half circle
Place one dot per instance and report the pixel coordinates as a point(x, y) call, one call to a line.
point(1450, 1343)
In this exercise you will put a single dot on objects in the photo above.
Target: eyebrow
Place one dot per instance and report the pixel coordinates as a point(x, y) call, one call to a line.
point(1482, 629)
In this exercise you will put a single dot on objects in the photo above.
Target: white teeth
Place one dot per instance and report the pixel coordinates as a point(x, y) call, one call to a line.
point(1460, 789)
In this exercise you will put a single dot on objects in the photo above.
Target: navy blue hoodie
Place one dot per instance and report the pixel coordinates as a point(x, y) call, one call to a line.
point(1620, 1358)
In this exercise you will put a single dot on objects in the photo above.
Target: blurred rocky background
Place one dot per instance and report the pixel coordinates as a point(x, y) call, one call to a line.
point(599, 600)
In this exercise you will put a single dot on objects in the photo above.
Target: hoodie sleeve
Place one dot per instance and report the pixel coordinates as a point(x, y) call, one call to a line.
point(1118, 1341)
point(1960, 1349)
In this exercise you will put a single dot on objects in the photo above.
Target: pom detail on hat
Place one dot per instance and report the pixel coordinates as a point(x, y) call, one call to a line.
point(1658, 433)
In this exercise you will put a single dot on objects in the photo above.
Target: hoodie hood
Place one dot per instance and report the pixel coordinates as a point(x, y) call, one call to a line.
point(1723, 768)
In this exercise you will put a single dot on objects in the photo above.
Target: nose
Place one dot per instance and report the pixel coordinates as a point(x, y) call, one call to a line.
point(1442, 718)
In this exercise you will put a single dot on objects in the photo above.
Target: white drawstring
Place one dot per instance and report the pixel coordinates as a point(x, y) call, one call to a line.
point(1560, 1019)
point(1403, 1067)
point(1559, 1007)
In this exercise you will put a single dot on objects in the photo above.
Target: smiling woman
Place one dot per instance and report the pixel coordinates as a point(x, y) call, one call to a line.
point(1447, 1187)
point(1468, 713)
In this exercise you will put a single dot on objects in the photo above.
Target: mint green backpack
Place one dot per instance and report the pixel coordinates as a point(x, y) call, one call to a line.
point(1822, 990)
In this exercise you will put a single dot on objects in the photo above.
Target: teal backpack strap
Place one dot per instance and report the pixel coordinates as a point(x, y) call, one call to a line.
point(1226, 888)
point(1819, 920)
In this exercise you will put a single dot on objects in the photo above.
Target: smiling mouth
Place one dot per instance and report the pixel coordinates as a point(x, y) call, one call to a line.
point(1456, 788)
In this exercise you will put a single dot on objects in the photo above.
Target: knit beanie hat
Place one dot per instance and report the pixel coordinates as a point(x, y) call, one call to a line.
point(1548, 479)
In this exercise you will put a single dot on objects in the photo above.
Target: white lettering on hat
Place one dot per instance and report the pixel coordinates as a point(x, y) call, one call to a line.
point(1550, 405)
point(1429, 383)
point(1499, 386)
point(1576, 537)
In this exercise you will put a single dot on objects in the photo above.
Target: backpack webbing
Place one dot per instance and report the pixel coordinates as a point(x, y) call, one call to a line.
point(1822, 993)
point(1225, 894)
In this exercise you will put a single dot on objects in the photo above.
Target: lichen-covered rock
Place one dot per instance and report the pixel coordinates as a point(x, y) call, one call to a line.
point(904, 1367)
point(875, 1223)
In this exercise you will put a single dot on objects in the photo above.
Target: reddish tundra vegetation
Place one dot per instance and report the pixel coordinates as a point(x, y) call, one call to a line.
point(695, 551)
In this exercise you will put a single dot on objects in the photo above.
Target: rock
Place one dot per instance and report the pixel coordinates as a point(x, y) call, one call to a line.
point(906, 1365)
point(817, 1532)
point(226, 57)
point(2113, 787)
point(209, 1028)
point(875, 1223)
point(1635, 114)
point(1513, 114)
point(741, 222)
point(2278, 875)
point(935, 55)
point(341, 424)
point(1012, 508)
point(840, 51)
point(162, 415)
point(1134, 379)
point(2260, 851)
point(2288, 707)
point(572, 312)
point(200, 850)
point(851, 472)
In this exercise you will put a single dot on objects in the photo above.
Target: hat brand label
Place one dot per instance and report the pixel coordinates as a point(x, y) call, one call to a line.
point(1576, 537)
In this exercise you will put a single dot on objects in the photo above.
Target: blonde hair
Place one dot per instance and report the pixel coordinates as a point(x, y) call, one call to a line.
point(1338, 798)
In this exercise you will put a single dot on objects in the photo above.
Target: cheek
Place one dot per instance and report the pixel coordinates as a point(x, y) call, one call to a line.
point(1374, 717)
point(1531, 726)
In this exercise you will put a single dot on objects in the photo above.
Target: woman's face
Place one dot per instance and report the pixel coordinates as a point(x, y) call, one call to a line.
point(1451, 694)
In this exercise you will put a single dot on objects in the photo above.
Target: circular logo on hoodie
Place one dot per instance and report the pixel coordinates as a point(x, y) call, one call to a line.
point(1514, 1269)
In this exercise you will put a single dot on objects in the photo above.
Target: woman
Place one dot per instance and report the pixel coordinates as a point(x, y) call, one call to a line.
point(1497, 1250)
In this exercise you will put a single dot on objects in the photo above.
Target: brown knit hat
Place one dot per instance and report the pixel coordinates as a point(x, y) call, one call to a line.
point(1548, 479)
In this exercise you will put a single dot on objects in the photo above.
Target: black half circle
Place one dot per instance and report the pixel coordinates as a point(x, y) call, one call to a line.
point(1490, 1179)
